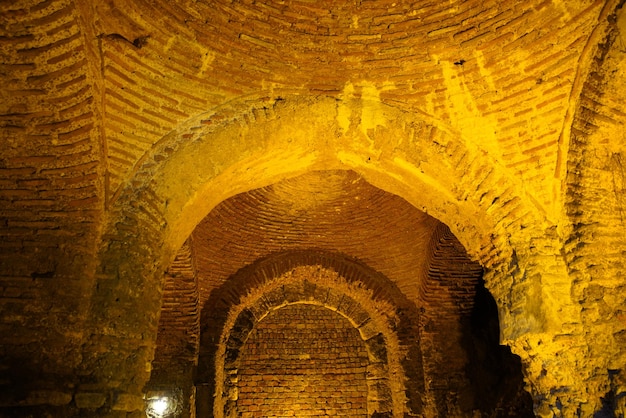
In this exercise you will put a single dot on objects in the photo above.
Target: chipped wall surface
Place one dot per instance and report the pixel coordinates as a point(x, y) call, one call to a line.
point(155, 152)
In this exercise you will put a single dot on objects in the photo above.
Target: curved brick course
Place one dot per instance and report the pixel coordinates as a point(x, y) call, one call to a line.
point(135, 134)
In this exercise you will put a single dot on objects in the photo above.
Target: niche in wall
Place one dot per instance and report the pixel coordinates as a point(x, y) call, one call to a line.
point(303, 359)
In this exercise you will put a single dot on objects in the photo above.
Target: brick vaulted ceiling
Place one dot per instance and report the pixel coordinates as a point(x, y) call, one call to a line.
point(106, 81)
point(95, 95)
point(329, 215)
point(515, 63)
point(109, 79)
point(329, 211)
point(127, 73)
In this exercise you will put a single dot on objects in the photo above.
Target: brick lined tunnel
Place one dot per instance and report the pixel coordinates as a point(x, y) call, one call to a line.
point(277, 271)
point(185, 184)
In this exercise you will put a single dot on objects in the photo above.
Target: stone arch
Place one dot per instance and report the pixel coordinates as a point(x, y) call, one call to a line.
point(246, 146)
point(386, 321)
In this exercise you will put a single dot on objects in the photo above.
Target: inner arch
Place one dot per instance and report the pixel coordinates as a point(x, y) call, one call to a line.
point(388, 253)
point(384, 321)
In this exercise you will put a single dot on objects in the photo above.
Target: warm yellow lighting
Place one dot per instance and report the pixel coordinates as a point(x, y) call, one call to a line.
point(159, 407)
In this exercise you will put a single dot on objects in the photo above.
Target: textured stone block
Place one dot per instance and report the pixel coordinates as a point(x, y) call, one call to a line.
point(89, 400)
point(127, 402)
point(48, 397)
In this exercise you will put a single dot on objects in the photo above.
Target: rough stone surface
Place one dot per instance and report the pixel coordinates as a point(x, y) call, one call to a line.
point(89, 400)
point(126, 402)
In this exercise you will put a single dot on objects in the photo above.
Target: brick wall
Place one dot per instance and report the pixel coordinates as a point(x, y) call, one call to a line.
point(96, 96)
point(382, 318)
point(303, 360)
point(50, 201)
point(447, 298)
point(465, 367)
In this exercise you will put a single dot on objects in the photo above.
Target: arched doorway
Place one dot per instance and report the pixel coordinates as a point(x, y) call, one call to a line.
point(210, 175)
point(443, 361)
point(383, 325)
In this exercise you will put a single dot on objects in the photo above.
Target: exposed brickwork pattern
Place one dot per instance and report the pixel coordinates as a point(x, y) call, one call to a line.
point(445, 292)
point(156, 78)
point(447, 295)
point(179, 323)
point(98, 96)
point(316, 207)
point(286, 279)
point(178, 335)
point(50, 198)
point(303, 360)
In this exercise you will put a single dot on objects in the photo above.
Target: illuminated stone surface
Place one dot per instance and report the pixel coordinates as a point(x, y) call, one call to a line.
point(152, 150)
point(303, 360)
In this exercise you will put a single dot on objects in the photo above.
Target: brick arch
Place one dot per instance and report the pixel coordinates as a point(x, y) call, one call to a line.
point(246, 146)
point(379, 391)
point(386, 321)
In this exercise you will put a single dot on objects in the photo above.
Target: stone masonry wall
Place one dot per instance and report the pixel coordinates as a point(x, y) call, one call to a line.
point(177, 340)
point(303, 360)
point(50, 202)
point(596, 246)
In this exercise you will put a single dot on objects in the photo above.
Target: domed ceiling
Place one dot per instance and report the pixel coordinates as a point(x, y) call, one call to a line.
point(513, 63)
point(334, 211)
